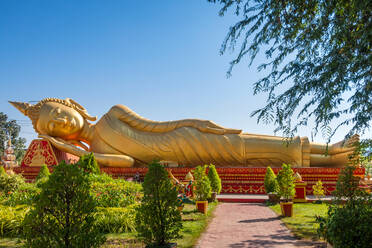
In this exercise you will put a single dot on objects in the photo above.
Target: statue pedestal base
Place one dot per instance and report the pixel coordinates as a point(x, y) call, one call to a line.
point(235, 180)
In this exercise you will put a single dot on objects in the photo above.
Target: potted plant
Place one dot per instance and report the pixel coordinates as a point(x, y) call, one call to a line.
point(318, 191)
point(202, 189)
point(286, 189)
point(271, 186)
point(158, 220)
point(215, 182)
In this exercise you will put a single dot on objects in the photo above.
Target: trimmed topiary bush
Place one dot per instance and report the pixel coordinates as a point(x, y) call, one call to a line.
point(63, 214)
point(270, 181)
point(43, 174)
point(158, 221)
point(286, 182)
point(214, 179)
point(202, 184)
point(89, 164)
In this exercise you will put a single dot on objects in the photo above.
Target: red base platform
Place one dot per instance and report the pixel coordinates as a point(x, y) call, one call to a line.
point(234, 180)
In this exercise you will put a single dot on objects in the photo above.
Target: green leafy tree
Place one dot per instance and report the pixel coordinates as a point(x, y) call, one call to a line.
point(362, 155)
point(319, 51)
point(158, 220)
point(63, 214)
point(347, 223)
point(10, 128)
point(286, 182)
point(270, 181)
point(202, 184)
point(347, 187)
point(214, 179)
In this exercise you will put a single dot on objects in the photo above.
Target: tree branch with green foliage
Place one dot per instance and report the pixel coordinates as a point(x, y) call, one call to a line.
point(10, 128)
point(319, 50)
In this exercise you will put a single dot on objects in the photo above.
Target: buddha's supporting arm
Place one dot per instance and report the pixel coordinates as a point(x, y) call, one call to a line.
point(103, 159)
point(136, 121)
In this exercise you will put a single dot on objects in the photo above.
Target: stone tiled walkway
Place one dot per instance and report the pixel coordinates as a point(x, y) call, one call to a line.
point(238, 225)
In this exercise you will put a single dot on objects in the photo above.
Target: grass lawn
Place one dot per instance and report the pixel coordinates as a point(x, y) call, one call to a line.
point(303, 223)
point(194, 223)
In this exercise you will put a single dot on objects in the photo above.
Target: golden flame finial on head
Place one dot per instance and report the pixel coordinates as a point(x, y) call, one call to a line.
point(33, 111)
point(21, 106)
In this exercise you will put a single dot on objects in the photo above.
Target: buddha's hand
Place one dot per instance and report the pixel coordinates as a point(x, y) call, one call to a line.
point(113, 160)
point(63, 145)
point(211, 127)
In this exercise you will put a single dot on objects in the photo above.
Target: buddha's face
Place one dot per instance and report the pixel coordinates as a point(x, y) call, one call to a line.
point(59, 120)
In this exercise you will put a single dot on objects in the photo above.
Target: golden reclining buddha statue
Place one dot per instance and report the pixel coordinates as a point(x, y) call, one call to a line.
point(122, 138)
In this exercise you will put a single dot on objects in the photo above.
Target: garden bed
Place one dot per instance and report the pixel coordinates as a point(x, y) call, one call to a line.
point(194, 223)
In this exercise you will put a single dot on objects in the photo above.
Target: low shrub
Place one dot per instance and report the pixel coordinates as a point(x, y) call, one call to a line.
point(2, 171)
point(43, 173)
point(349, 216)
point(116, 193)
point(100, 178)
point(348, 225)
point(116, 220)
point(202, 184)
point(10, 183)
point(214, 179)
point(286, 182)
point(89, 164)
point(270, 181)
point(25, 194)
point(11, 220)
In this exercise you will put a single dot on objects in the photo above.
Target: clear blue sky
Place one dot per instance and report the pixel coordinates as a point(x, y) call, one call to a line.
point(160, 58)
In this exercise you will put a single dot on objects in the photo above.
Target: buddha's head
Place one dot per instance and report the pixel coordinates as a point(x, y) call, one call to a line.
point(56, 117)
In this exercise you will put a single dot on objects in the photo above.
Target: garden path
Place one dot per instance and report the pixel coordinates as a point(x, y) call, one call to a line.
point(242, 225)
